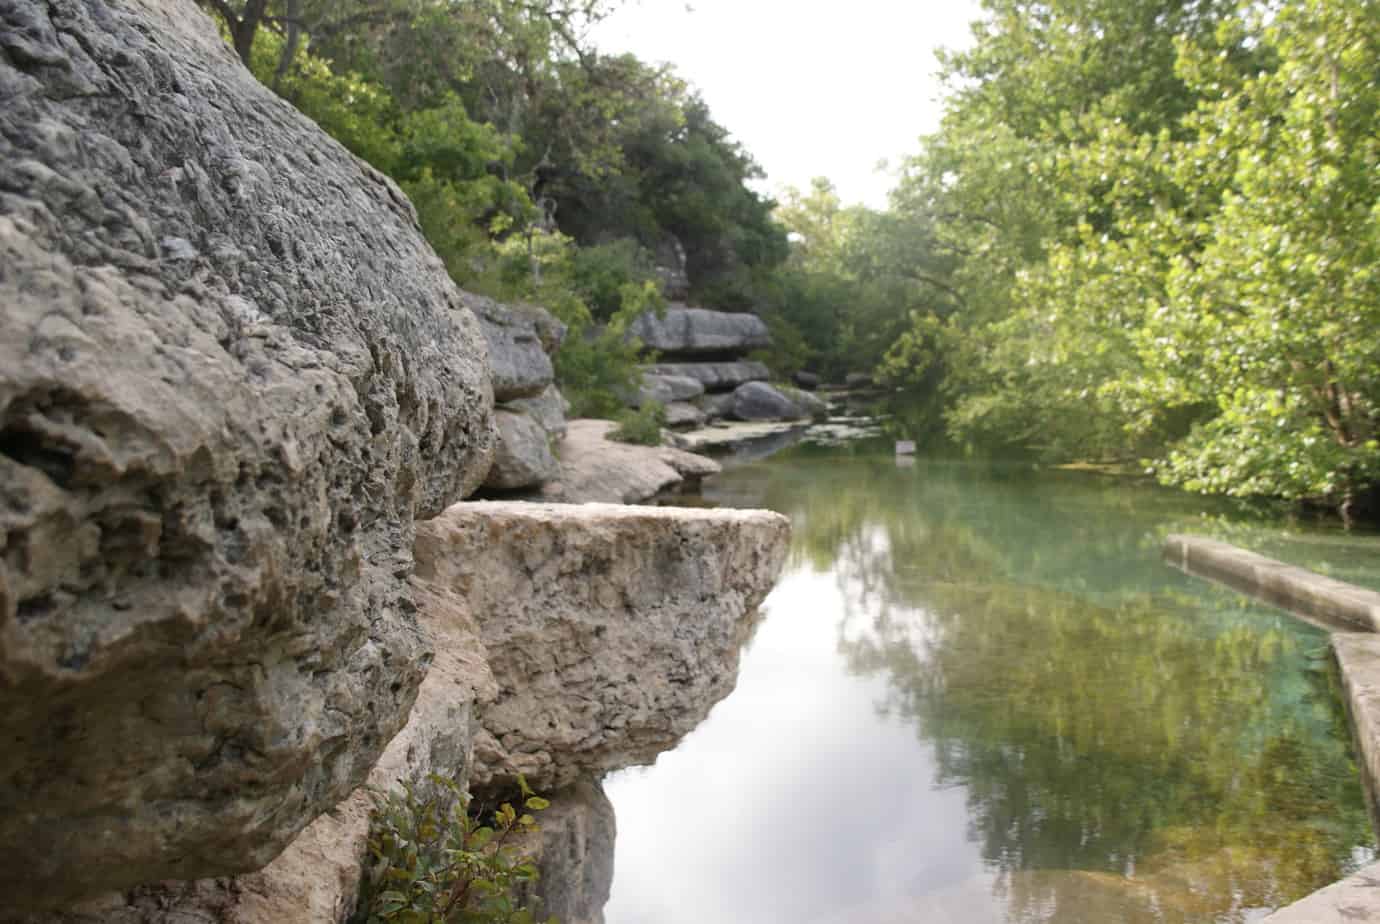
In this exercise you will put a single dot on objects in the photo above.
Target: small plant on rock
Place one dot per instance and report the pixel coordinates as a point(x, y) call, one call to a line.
point(642, 426)
point(434, 863)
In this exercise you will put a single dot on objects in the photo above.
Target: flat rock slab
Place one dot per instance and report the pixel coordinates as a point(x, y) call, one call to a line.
point(690, 331)
point(719, 376)
point(595, 468)
point(611, 630)
point(1354, 899)
point(1336, 604)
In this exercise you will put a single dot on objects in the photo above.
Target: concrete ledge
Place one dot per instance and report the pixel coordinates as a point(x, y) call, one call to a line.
point(1311, 596)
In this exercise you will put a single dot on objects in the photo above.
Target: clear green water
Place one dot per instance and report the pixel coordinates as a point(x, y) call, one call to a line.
point(977, 695)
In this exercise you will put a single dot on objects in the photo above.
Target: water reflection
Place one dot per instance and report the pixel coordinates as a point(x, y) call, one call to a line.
point(979, 696)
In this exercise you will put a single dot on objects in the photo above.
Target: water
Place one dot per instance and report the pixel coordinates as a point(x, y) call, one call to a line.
point(977, 696)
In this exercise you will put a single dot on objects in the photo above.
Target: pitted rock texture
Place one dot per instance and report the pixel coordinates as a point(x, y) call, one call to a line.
point(231, 374)
point(611, 630)
point(316, 879)
point(688, 332)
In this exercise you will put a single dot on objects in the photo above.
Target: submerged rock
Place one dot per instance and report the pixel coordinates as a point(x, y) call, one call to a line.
point(232, 372)
point(610, 630)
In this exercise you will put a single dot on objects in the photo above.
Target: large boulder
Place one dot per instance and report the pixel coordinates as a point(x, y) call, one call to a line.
point(596, 468)
point(232, 372)
point(667, 389)
point(523, 458)
point(682, 415)
point(518, 356)
point(714, 376)
point(685, 331)
point(548, 409)
point(759, 401)
point(611, 630)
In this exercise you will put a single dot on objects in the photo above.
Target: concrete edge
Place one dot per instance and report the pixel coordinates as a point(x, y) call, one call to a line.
point(1351, 614)
point(1321, 600)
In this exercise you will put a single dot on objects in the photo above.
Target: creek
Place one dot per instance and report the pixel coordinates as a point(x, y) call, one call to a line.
point(977, 696)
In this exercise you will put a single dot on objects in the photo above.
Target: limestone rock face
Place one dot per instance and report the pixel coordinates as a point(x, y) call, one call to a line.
point(688, 331)
point(574, 852)
point(715, 376)
point(547, 409)
point(231, 374)
point(523, 457)
point(760, 401)
point(667, 389)
point(518, 356)
point(596, 468)
point(610, 630)
point(684, 415)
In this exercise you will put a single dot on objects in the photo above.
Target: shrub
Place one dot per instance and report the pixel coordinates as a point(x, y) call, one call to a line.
point(434, 863)
point(642, 426)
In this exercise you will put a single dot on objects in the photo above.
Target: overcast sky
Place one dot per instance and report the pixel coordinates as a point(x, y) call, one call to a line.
point(810, 87)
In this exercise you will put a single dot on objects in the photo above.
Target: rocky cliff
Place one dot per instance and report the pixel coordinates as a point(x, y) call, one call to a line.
point(225, 394)
point(233, 377)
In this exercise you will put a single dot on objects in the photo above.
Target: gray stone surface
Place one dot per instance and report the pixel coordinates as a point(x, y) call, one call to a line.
point(812, 405)
point(523, 457)
point(715, 376)
point(611, 630)
point(683, 415)
point(807, 380)
point(549, 329)
point(231, 374)
point(666, 389)
point(574, 852)
point(685, 332)
point(1352, 900)
point(596, 468)
point(547, 409)
point(670, 269)
point(717, 406)
point(1333, 603)
point(520, 365)
point(758, 401)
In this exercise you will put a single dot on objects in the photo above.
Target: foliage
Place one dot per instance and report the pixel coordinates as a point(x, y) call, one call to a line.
point(1158, 223)
point(642, 426)
point(435, 864)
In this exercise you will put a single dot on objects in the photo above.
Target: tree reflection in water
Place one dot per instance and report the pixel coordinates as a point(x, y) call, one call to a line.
point(1134, 745)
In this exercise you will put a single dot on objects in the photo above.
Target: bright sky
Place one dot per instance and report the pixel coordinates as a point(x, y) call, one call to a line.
point(810, 87)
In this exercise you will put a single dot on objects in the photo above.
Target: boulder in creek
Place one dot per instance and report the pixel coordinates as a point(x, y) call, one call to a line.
point(759, 401)
point(523, 457)
point(610, 630)
point(232, 373)
point(806, 380)
point(717, 406)
point(686, 332)
point(714, 376)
